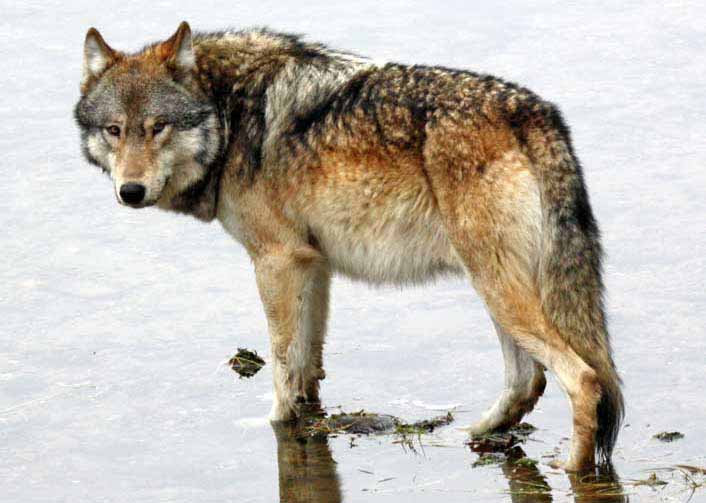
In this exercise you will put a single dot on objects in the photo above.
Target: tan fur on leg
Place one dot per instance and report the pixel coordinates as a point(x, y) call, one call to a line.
point(294, 293)
point(527, 325)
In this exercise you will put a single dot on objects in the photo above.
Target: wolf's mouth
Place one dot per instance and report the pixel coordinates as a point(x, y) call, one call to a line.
point(136, 206)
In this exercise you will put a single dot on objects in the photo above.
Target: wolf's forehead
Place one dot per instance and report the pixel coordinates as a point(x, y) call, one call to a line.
point(138, 96)
point(135, 96)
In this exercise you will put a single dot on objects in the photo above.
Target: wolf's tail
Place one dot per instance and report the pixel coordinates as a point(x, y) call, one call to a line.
point(570, 264)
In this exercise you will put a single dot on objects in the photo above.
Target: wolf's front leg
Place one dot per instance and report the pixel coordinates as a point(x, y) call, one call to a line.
point(294, 288)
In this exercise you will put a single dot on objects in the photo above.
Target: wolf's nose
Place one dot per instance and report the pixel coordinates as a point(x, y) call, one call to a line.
point(132, 193)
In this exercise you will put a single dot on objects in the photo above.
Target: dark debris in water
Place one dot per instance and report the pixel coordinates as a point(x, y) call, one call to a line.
point(369, 423)
point(669, 436)
point(526, 462)
point(356, 423)
point(513, 457)
point(425, 426)
point(687, 478)
point(246, 363)
point(489, 458)
point(650, 481)
point(501, 441)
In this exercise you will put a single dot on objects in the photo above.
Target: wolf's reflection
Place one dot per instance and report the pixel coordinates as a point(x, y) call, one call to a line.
point(601, 486)
point(307, 474)
point(527, 484)
point(307, 471)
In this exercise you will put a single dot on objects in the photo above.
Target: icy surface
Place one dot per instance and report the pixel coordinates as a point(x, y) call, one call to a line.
point(117, 324)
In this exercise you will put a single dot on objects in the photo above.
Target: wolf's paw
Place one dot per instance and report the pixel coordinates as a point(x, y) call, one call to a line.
point(283, 411)
point(495, 419)
point(571, 466)
point(481, 427)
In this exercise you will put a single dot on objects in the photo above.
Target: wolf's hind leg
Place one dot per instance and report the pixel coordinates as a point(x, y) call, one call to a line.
point(294, 288)
point(520, 314)
point(524, 384)
point(494, 221)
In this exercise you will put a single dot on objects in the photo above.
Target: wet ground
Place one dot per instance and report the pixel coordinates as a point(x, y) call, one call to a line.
point(118, 325)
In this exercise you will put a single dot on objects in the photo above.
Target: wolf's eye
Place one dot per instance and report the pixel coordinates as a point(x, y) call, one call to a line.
point(158, 127)
point(113, 130)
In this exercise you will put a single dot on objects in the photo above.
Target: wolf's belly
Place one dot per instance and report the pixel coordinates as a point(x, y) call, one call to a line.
point(384, 246)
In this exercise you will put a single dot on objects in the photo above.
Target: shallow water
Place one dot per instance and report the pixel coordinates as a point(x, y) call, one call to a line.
point(118, 324)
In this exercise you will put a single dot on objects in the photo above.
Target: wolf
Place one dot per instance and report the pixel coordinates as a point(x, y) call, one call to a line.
point(320, 162)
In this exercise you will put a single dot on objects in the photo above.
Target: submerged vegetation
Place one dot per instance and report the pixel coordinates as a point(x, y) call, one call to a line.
point(369, 423)
point(354, 423)
point(501, 441)
point(424, 426)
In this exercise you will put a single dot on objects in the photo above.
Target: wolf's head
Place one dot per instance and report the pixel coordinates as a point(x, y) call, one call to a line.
point(146, 122)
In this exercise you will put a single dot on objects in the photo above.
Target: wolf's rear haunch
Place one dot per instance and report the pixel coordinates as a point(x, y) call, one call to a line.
point(524, 230)
point(321, 162)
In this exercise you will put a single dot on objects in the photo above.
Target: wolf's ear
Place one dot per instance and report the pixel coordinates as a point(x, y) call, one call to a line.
point(178, 51)
point(97, 56)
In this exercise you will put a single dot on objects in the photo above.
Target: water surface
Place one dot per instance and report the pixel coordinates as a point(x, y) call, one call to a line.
point(118, 324)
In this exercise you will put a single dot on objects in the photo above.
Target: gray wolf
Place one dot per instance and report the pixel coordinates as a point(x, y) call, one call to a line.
point(321, 162)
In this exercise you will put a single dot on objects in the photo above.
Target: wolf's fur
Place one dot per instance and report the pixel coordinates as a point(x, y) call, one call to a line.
point(321, 162)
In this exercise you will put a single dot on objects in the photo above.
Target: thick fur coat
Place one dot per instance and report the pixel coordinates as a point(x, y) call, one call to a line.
point(321, 162)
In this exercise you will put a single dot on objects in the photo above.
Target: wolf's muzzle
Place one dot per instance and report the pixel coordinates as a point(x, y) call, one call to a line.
point(132, 193)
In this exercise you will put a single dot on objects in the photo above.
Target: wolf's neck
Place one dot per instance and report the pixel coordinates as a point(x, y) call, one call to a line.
point(243, 63)
point(237, 69)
